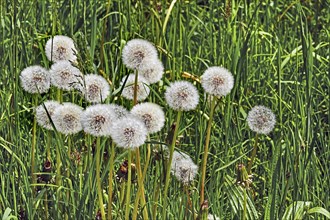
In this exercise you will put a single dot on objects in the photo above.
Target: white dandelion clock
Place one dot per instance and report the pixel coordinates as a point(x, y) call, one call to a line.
point(261, 119)
point(44, 119)
point(182, 96)
point(137, 53)
point(151, 114)
point(35, 79)
point(60, 48)
point(65, 76)
point(212, 217)
point(96, 120)
point(118, 110)
point(142, 88)
point(183, 168)
point(128, 132)
point(96, 88)
point(153, 72)
point(217, 81)
point(67, 117)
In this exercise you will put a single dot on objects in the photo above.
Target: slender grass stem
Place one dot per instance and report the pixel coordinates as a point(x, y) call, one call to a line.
point(98, 178)
point(129, 183)
point(68, 172)
point(135, 87)
point(168, 170)
point(111, 167)
point(206, 151)
point(254, 153)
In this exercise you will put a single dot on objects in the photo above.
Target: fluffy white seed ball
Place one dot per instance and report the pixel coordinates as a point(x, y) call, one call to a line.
point(153, 72)
point(35, 79)
point(261, 119)
point(60, 48)
point(142, 88)
point(43, 119)
point(151, 114)
point(183, 168)
point(217, 81)
point(65, 76)
point(95, 89)
point(182, 96)
point(67, 117)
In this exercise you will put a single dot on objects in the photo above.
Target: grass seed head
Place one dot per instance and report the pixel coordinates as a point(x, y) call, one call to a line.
point(60, 48)
point(65, 76)
point(35, 79)
point(261, 119)
point(182, 96)
point(67, 118)
point(151, 114)
point(96, 120)
point(128, 132)
point(142, 88)
point(137, 53)
point(217, 81)
point(42, 116)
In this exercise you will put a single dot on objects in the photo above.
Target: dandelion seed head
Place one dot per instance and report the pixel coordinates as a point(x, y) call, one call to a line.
point(60, 48)
point(65, 76)
point(96, 88)
point(182, 96)
point(42, 116)
point(96, 120)
point(35, 79)
point(153, 72)
point(183, 168)
point(142, 88)
point(212, 217)
point(128, 132)
point(217, 81)
point(118, 110)
point(151, 114)
point(67, 118)
point(137, 53)
point(261, 119)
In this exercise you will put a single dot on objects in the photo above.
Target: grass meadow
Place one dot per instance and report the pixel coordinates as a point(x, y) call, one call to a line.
point(278, 53)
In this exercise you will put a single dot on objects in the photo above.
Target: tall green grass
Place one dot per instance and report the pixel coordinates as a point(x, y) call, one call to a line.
point(278, 52)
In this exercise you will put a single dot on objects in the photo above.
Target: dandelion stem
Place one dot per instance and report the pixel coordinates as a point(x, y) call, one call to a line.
point(254, 152)
point(129, 182)
point(168, 170)
point(34, 140)
point(68, 172)
point(112, 158)
point(49, 141)
point(135, 87)
point(98, 178)
point(206, 151)
point(140, 195)
point(58, 163)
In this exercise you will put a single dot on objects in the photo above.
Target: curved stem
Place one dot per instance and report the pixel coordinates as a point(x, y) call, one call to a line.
point(129, 182)
point(112, 164)
point(254, 152)
point(206, 151)
point(98, 178)
point(168, 170)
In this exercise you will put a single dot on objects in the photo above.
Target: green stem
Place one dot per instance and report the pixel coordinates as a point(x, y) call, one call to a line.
point(33, 144)
point(58, 164)
point(141, 194)
point(98, 178)
point(68, 174)
point(244, 208)
point(135, 87)
point(49, 142)
point(111, 167)
point(168, 171)
point(254, 152)
point(206, 151)
point(129, 183)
